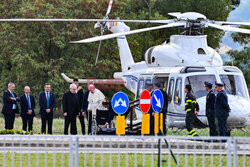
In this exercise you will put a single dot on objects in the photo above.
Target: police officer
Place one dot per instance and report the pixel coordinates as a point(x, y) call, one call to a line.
point(192, 109)
point(222, 109)
point(210, 109)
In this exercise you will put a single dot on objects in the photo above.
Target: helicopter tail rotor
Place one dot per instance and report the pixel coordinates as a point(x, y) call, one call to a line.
point(103, 26)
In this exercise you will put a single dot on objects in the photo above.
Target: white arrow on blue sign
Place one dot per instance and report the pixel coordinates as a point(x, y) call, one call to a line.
point(157, 101)
point(120, 103)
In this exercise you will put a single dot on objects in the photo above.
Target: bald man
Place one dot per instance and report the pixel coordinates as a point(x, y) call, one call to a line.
point(27, 102)
point(71, 109)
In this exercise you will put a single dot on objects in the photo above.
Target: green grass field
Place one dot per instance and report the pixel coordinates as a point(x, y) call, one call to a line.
point(59, 159)
point(58, 126)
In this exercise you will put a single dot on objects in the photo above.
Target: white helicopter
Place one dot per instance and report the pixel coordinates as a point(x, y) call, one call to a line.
point(186, 59)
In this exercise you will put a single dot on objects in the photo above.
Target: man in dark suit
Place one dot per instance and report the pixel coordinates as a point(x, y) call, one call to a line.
point(10, 106)
point(210, 100)
point(222, 109)
point(70, 109)
point(47, 102)
point(80, 94)
point(85, 108)
point(27, 102)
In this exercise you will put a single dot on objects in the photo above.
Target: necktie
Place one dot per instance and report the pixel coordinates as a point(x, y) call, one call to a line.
point(14, 105)
point(47, 100)
point(28, 99)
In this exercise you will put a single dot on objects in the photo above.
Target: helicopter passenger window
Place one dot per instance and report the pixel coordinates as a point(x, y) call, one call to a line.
point(177, 93)
point(197, 83)
point(170, 89)
point(141, 87)
point(234, 85)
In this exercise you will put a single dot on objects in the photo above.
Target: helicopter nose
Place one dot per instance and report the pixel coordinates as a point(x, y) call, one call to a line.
point(240, 111)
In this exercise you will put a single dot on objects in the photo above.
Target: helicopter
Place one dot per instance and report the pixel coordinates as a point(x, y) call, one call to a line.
point(185, 59)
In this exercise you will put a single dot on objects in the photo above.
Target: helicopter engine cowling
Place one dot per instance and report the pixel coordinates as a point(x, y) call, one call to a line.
point(183, 51)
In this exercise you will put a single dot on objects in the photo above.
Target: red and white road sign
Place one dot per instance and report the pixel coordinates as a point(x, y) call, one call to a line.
point(145, 101)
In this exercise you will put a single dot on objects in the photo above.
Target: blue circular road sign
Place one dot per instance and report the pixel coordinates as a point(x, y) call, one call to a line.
point(120, 103)
point(157, 101)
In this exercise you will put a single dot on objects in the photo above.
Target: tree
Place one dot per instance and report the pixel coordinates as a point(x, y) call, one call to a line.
point(241, 58)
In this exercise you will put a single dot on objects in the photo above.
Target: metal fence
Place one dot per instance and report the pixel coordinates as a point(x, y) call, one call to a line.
point(57, 150)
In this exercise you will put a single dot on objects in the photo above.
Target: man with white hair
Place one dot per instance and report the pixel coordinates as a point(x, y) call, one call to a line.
point(95, 99)
point(27, 102)
point(71, 109)
point(10, 106)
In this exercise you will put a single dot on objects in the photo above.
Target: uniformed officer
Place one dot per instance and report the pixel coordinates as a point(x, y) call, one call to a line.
point(222, 109)
point(210, 109)
point(192, 109)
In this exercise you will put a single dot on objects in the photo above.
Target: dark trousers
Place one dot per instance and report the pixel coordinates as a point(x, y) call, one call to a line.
point(27, 119)
point(164, 123)
point(112, 114)
point(190, 120)
point(89, 118)
point(47, 118)
point(9, 121)
point(211, 124)
point(222, 124)
point(81, 119)
point(152, 125)
point(70, 121)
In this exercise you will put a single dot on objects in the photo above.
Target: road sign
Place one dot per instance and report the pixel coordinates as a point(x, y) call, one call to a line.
point(145, 101)
point(120, 103)
point(157, 101)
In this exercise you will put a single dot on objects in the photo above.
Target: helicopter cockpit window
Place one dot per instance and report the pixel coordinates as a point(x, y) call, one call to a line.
point(197, 83)
point(177, 93)
point(201, 51)
point(234, 85)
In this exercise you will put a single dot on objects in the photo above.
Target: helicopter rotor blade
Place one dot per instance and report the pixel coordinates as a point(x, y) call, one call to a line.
point(109, 36)
point(99, 48)
point(232, 23)
point(226, 28)
point(109, 8)
point(88, 20)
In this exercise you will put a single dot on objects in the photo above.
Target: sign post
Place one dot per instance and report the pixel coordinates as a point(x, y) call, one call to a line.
point(157, 105)
point(120, 104)
point(145, 103)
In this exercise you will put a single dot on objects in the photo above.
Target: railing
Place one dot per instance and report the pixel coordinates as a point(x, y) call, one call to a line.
point(57, 150)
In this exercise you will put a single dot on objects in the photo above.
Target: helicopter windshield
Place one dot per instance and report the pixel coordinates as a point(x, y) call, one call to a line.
point(197, 83)
point(234, 85)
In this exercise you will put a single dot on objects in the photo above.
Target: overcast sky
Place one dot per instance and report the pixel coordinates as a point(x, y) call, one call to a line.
point(241, 13)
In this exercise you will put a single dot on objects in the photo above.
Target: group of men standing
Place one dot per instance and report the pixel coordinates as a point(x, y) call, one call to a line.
point(217, 110)
point(47, 101)
point(76, 103)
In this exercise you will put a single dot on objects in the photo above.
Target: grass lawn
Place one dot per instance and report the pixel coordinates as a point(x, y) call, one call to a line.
point(58, 126)
point(59, 159)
